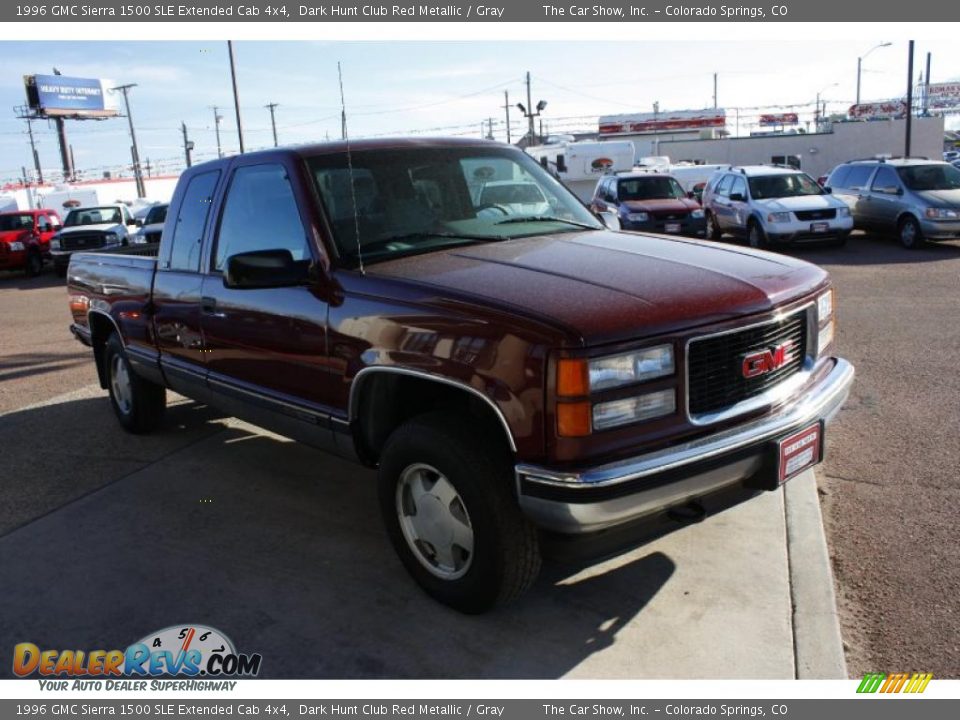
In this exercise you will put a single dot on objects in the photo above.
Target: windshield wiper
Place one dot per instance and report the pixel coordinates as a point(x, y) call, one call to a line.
point(545, 218)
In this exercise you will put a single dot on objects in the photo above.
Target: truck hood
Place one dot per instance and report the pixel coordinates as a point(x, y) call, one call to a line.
point(101, 227)
point(941, 198)
point(662, 205)
point(602, 287)
point(800, 202)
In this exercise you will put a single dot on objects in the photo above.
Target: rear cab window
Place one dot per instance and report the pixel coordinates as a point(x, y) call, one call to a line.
point(186, 243)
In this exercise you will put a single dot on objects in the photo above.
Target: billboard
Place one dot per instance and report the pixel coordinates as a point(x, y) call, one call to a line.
point(940, 95)
point(878, 110)
point(659, 122)
point(776, 119)
point(59, 95)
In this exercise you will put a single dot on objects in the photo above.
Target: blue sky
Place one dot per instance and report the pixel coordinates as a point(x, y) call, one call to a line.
point(446, 87)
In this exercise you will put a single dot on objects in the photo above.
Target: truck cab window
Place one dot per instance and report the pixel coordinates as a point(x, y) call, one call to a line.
point(191, 221)
point(260, 213)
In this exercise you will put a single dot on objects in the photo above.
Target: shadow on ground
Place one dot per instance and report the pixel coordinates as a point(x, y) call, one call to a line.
point(277, 545)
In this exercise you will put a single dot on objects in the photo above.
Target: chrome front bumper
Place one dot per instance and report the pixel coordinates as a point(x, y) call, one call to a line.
point(604, 496)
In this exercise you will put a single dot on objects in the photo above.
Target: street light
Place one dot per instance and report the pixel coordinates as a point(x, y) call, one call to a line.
point(860, 63)
point(817, 114)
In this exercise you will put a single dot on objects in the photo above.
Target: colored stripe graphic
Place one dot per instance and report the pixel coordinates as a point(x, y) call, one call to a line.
point(894, 683)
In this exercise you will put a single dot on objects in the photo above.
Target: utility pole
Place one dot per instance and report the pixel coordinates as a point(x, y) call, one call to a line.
point(148, 168)
point(926, 90)
point(187, 145)
point(33, 150)
point(273, 121)
point(714, 91)
point(530, 111)
point(490, 129)
point(65, 158)
point(134, 151)
point(506, 106)
point(906, 144)
point(236, 95)
point(217, 117)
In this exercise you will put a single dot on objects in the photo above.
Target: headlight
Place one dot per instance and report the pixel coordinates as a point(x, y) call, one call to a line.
point(16, 246)
point(630, 368)
point(55, 243)
point(778, 217)
point(630, 410)
point(942, 214)
point(638, 216)
point(843, 212)
point(111, 237)
point(825, 306)
point(696, 214)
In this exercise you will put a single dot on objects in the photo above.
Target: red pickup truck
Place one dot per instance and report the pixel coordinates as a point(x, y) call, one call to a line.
point(25, 239)
point(506, 372)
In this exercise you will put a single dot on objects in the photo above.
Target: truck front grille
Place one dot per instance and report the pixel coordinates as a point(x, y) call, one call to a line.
point(82, 241)
point(715, 364)
point(827, 214)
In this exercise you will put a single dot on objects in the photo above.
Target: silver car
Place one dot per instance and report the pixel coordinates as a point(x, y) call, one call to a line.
point(917, 199)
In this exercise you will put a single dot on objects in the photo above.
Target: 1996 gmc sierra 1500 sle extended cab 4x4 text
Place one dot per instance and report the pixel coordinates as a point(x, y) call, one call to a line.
point(505, 372)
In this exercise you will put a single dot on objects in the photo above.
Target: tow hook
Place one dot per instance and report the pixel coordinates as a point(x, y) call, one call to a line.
point(688, 513)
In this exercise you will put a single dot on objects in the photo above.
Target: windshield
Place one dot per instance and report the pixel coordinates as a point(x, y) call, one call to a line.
point(16, 222)
point(781, 186)
point(930, 177)
point(393, 203)
point(650, 188)
point(157, 214)
point(93, 216)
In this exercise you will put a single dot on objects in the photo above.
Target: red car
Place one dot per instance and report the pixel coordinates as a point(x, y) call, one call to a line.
point(25, 239)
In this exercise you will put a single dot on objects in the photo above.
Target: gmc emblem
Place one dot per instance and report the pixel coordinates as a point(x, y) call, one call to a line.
point(761, 362)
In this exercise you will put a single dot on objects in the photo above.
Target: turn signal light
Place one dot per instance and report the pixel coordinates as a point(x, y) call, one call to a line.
point(573, 419)
point(573, 378)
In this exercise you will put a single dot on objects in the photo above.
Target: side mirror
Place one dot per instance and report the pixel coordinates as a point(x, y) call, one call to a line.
point(828, 190)
point(131, 221)
point(737, 197)
point(899, 191)
point(266, 269)
point(691, 195)
point(609, 219)
point(138, 222)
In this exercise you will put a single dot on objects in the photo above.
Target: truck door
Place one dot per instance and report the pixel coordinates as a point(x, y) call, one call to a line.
point(266, 346)
point(177, 288)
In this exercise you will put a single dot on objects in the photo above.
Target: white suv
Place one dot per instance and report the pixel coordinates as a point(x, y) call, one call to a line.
point(771, 205)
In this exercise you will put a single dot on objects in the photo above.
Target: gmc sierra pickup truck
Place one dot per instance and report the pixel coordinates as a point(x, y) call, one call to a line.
point(507, 373)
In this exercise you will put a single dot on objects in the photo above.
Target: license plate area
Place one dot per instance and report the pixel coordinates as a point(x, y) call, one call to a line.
point(819, 227)
point(798, 452)
point(672, 227)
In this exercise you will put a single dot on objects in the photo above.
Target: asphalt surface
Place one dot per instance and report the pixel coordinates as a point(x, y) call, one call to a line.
point(889, 487)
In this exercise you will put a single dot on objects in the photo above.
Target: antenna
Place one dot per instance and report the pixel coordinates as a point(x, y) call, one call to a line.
point(353, 192)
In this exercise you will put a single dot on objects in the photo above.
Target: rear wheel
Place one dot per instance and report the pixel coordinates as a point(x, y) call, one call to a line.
point(756, 237)
point(911, 236)
point(34, 263)
point(138, 404)
point(713, 230)
point(446, 501)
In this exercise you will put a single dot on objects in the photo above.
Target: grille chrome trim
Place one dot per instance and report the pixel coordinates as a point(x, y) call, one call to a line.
point(775, 394)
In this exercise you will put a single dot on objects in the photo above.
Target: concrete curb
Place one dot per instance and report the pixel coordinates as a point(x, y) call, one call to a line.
point(818, 646)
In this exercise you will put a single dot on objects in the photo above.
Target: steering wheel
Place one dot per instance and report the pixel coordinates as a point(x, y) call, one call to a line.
point(492, 206)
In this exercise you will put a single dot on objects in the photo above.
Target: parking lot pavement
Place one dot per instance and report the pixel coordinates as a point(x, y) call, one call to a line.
point(279, 546)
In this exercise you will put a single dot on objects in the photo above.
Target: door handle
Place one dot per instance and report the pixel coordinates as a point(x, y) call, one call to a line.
point(208, 306)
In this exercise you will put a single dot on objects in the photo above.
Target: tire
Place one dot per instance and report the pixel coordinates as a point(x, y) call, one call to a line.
point(910, 234)
point(433, 467)
point(839, 242)
point(712, 230)
point(34, 264)
point(756, 237)
point(138, 404)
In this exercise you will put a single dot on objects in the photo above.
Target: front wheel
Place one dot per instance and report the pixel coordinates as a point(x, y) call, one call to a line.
point(448, 508)
point(756, 237)
point(138, 404)
point(911, 236)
